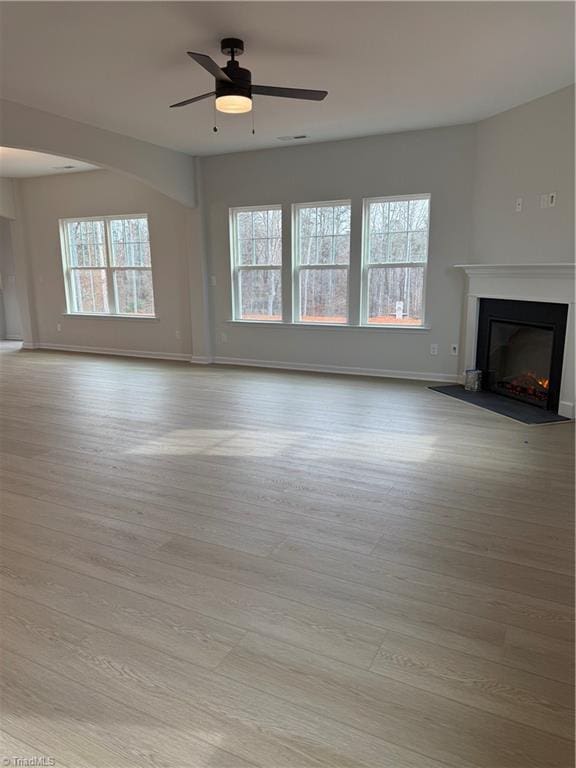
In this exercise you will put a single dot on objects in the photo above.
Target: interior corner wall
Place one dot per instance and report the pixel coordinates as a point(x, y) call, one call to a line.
point(7, 205)
point(438, 161)
point(10, 324)
point(47, 199)
point(523, 153)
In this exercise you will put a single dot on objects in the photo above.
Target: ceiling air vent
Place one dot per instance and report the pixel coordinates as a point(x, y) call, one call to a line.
point(293, 138)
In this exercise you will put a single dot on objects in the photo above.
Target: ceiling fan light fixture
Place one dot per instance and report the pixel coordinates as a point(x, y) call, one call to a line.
point(233, 85)
point(233, 104)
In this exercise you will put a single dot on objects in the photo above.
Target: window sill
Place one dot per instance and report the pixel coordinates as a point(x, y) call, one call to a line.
point(330, 326)
point(93, 315)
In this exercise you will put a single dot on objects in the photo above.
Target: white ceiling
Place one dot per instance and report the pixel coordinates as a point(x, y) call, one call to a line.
point(387, 66)
point(20, 164)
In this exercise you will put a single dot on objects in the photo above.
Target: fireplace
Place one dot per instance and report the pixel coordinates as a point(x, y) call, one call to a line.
point(549, 286)
point(520, 349)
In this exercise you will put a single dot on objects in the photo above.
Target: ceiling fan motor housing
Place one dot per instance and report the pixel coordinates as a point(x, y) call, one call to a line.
point(241, 84)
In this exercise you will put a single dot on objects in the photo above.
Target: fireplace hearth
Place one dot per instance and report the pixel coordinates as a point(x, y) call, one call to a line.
point(520, 349)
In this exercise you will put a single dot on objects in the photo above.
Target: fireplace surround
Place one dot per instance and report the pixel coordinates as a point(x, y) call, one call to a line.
point(538, 283)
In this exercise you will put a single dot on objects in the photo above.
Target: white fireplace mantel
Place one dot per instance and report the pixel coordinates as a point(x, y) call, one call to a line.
point(524, 282)
point(566, 268)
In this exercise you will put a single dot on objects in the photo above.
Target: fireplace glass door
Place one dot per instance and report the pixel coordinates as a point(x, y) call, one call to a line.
point(519, 361)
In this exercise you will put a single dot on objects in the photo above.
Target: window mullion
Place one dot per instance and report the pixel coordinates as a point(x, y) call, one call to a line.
point(286, 246)
point(267, 265)
point(233, 265)
point(236, 293)
point(109, 268)
point(324, 266)
point(397, 264)
point(238, 286)
point(69, 283)
point(355, 262)
point(365, 267)
point(295, 263)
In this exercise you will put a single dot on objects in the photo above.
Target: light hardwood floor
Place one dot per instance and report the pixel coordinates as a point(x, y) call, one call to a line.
point(210, 567)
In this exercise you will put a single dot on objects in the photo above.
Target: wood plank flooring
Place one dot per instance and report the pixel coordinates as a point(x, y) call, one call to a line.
point(208, 567)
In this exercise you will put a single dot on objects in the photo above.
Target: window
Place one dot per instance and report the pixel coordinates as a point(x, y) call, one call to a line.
point(256, 249)
point(321, 262)
point(107, 267)
point(395, 253)
point(388, 278)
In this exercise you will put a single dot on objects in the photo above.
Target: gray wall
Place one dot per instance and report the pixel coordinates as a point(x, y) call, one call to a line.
point(473, 173)
point(49, 198)
point(436, 161)
point(10, 326)
point(522, 153)
point(7, 207)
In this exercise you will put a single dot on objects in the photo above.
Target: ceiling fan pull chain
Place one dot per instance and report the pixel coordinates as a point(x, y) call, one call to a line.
point(253, 118)
point(215, 129)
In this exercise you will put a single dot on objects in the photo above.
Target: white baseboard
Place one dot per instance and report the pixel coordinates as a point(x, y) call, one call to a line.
point(348, 370)
point(205, 360)
point(109, 351)
point(565, 408)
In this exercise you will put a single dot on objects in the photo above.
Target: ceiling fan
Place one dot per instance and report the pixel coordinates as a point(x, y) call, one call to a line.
point(233, 87)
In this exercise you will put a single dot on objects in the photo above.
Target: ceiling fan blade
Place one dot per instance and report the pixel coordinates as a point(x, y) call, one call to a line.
point(209, 65)
point(289, 93)
point(195, 98)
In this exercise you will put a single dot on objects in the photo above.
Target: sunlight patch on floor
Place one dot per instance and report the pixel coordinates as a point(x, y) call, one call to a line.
point(269, 443)
point(218, 442)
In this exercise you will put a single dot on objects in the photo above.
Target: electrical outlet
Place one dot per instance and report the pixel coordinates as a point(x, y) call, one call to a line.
point(454, 349)
point(433, 349)
point(518, 205)
point(213, 281)
point(548, 200)
point(58, 327)
point(177, 334)
point(224, 338)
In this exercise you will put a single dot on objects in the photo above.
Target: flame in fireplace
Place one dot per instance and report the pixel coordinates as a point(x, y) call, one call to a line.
point(530, 379)
point(527, 384)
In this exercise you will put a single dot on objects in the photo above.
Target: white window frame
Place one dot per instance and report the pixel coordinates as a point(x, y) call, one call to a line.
point(297, 266)
point(236, 267)
point(68, 269)
point(367, 266)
